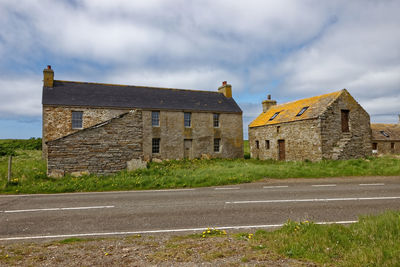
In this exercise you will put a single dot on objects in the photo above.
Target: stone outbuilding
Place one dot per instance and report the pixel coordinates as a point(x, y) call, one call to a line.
point(385, 138)
point(330, 126)
point(104, 128)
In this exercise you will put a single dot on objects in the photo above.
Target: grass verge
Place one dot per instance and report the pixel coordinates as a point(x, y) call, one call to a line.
point(29, 173)
point(373, 241)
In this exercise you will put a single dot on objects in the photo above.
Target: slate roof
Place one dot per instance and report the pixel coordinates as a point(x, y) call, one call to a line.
point(67, 93)
point(288, 111)
point(380, 129)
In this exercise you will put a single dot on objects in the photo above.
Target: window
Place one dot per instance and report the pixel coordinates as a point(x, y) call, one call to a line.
point(217, 142)
point(216, 120)
point(301, 111)
point(274, 116)
point(77, 119)
point(345, 120)
point(257, 144)
point(374, 146)
point(155, 145)
point(392, 145)
point(266, 144)
point(278, 129)
point(384, 133)
point(155, 118)
point(188, 119)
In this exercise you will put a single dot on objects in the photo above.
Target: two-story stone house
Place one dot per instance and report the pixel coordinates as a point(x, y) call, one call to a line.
point(386, 138)
point(101, 128)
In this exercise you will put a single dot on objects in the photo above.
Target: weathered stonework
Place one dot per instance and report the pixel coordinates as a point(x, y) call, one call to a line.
point(316, 138)
point(102, 149)
point(385, 138)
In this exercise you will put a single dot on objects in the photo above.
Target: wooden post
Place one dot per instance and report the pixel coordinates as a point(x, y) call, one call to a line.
point(9, 168)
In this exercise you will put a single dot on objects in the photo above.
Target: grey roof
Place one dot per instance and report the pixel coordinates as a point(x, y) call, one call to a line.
point(66, 93)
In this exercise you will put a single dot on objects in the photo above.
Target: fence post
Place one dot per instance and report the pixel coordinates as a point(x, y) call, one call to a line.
point(9, 168)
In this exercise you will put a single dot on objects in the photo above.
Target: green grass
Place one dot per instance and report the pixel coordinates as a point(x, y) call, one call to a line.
point(29, 173)
point(373, 241)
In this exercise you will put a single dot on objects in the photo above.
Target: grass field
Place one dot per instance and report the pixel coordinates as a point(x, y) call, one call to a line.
point(29, 173)
point(373, 241)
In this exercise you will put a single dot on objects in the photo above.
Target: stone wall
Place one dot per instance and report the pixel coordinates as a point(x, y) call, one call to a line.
point(339, 145)
point(302, 140)
point(57, 121)
point(172, 134)
point(102, 149)
point(385, 147)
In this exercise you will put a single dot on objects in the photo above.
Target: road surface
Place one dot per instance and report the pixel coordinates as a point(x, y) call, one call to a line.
point(264, 204)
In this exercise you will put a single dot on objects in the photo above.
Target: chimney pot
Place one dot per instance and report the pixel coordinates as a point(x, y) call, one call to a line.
point(224, 83)
point(49, 67)
point(269, 97)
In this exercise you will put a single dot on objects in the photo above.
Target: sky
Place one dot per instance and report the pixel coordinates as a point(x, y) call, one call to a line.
point(291, 49)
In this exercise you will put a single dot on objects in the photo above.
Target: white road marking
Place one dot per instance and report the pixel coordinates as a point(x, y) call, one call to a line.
point(323, 185)
point(227, 188)
point(105, 192)
point(378, 184)
point(312, 200)
point(159, 231)
point(57, 209)
point(276, 186)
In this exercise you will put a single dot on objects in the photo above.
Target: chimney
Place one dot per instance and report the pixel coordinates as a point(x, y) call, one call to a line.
point(225, 89)
point(266, 104)
point(48, 77)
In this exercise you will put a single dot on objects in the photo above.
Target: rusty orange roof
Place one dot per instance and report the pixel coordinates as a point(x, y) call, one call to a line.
point(288, 111)
point(385, 131)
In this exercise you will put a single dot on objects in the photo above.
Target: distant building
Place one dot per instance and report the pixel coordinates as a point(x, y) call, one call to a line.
point(104, 128)
point(385, 138)
point(330, 126)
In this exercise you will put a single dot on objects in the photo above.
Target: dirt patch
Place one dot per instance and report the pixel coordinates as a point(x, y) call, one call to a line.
point(139, 250)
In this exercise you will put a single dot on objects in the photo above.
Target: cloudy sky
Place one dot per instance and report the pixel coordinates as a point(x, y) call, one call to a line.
point(290, 49)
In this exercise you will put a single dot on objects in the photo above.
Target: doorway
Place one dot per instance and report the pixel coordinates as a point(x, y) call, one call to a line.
point(281, 150)
point(187, 148)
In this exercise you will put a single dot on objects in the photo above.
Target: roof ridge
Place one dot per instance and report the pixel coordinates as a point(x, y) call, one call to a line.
point(141, 86)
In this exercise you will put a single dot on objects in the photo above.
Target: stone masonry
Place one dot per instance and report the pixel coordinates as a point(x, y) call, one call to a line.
point(102, 149)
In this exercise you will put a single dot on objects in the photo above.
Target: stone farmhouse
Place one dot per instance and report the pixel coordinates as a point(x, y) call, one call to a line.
point(104, 128)
point(330, 126)
point(385, 138)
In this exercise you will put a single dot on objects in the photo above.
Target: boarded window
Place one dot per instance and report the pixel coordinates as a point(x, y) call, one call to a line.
point(217, 143)
point(302, 111)
point(77, 119)
point(155, 145)
point(266, 144)
point(216, 120)
point(392, 145)
point(345, 120)
point(257, 144)
point(155, 118)
point(188, 119)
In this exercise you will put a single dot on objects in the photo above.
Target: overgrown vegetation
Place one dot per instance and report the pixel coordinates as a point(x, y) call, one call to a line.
point(29, 173)
point(373, 241)
point(9, 146)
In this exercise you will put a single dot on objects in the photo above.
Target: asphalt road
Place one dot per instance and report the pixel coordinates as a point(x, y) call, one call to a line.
point(256, 205)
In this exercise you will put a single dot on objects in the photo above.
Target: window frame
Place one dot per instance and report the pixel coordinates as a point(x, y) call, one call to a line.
point(187, 122)
point(216, 120)
point(75, 120)
point(155, 146)
point(217, 145)
point(274, 116)
point(155, 117)
point(301, 112)
point(385, 134)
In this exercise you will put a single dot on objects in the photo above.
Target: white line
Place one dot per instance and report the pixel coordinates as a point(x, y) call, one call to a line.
point(105, 192)
point(276, 186)
point(57, 209)
point(227, 188)
point(322, 185)
point(371, 184)
point(159, 231)
point(311, 200)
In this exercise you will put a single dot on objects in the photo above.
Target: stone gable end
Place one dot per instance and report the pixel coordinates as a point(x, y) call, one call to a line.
point(105, 148)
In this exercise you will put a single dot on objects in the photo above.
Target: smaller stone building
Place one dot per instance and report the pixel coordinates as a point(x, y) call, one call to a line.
point(330, 126)
point(104, 128)
point(385, 138)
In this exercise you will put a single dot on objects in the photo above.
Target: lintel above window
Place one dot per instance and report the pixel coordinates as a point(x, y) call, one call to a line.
point(274, 116)
point(301, 111)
